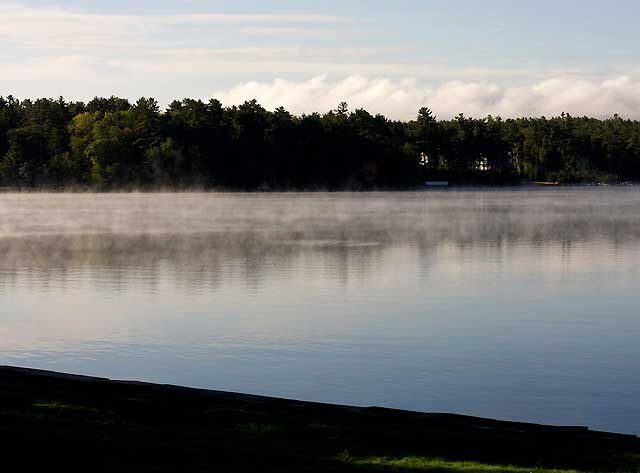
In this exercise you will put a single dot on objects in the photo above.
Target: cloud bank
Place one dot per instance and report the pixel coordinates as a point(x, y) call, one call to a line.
point(52, 51)
point(400, 99)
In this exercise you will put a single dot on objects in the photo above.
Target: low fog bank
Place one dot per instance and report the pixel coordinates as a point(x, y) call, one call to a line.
point(460, 216)
point(196, 235)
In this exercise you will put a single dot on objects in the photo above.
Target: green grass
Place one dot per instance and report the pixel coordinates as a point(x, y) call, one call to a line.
point(60, 406)
point(438, 465)
point(257, 429)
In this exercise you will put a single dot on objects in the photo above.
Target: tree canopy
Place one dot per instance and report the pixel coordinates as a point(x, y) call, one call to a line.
point(112, 143)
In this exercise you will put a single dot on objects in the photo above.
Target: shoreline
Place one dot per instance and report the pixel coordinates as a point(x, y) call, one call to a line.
point(54, 410)
point(451, 185)
point(375, 411)
point(525, 187)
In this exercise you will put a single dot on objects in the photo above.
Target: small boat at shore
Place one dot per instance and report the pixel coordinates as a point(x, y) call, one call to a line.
point(436, 184)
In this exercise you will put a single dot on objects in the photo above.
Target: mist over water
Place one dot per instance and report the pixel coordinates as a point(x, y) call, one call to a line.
point(515, 304)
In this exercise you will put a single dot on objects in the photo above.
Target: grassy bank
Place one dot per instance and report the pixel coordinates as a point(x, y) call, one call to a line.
point(49, 420)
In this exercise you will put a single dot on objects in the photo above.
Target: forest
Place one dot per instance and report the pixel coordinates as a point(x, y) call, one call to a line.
point(111, 143)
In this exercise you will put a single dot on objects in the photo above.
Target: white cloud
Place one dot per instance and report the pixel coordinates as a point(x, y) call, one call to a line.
point(17, 12)
point(297, 31)
point(51, 27)
point(401, 99)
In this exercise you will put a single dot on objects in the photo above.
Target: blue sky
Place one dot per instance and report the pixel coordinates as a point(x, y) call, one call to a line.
point(495, 56)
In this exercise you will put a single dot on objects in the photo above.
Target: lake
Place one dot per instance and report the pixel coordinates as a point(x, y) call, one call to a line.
point(519, 304)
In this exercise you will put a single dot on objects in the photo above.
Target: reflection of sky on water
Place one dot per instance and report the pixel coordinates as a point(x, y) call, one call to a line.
point(510, 304)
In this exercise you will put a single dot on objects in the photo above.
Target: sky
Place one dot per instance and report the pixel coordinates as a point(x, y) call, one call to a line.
point(498, 57)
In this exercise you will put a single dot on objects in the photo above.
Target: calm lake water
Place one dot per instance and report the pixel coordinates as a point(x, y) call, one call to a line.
point(514, 304)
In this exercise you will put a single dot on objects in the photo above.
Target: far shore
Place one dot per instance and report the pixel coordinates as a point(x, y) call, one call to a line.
point(427, 187)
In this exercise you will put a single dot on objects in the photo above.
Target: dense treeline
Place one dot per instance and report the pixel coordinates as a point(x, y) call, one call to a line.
point(112, 143)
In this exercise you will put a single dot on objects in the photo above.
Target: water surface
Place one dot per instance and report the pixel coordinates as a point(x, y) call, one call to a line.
point(514, 304)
